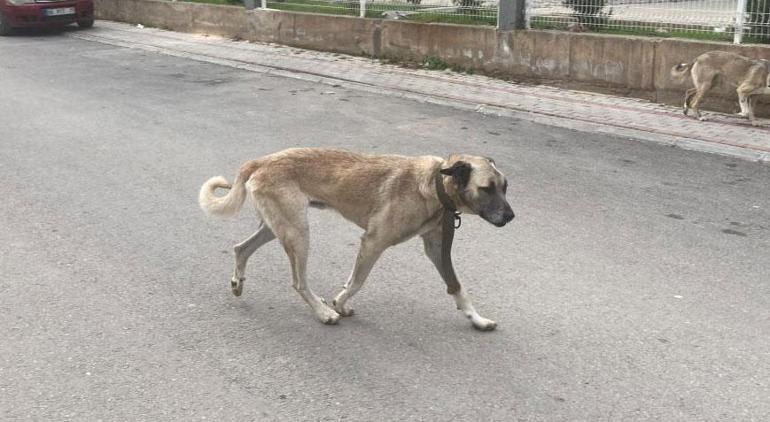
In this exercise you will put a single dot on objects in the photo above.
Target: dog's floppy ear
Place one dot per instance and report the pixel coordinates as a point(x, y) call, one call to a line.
point(460, 172)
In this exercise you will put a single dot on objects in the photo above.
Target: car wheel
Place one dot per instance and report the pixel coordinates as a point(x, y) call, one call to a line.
point(5, 28)
point(86, 23)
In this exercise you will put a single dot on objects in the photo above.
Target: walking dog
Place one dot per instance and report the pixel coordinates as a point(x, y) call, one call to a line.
point(750, 77)
point(393, 198)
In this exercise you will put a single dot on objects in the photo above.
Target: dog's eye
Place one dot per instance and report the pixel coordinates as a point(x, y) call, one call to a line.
point(488, 189)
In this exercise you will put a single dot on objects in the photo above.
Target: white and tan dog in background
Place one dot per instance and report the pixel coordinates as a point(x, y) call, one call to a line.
point(393, 198)
point(750, 77)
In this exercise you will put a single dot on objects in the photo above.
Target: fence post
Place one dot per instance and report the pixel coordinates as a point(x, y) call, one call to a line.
point(740, 20)
point(510, 14)
point(362, 13)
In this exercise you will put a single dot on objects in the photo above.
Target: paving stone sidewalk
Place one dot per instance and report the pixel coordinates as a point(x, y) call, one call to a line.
point(628, 117)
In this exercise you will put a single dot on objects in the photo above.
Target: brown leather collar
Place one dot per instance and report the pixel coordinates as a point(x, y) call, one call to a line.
point(450, 220)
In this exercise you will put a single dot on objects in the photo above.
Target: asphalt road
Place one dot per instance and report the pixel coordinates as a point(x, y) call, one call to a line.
point(633, 285)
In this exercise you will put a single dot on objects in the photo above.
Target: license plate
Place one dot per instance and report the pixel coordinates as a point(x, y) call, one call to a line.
point(60, 11)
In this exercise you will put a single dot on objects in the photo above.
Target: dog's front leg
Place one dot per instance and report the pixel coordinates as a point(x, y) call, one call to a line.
point(432, 242)
point(370, 251)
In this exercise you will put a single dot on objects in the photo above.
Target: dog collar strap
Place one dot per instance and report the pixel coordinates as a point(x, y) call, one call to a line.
point(450, 220)
point(446, 202)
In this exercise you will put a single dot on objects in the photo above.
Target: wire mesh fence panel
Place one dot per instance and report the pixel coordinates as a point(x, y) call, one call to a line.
point(469, 12)
point(756, 21)
point(711, 19)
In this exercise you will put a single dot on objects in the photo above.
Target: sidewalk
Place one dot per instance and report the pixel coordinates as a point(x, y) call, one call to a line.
point(584, 111)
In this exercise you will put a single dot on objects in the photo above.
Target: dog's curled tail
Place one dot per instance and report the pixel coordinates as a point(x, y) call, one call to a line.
point(228, 205)
point(679, 71)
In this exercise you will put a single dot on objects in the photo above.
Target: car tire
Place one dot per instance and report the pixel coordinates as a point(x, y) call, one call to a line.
point(86, 23)
point(5, 27)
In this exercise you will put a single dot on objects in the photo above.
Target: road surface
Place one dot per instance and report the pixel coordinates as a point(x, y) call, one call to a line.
point(633, 284)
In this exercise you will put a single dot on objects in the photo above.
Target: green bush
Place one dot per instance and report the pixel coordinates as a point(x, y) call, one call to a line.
point(589, 12)
point(758, 20)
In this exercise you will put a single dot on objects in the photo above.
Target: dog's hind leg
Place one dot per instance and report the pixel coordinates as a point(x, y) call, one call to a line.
point(687, 97)
point(244, 250)
point(286, 215)
point(744, 91)
point(753, 97)
point(702, 84)
point(370, 250)
point(752, 102)
point(432, 243)
point(695, 104)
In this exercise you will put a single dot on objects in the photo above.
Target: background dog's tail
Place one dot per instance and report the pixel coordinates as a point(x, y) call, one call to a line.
point(228, 205)
point(679, 71)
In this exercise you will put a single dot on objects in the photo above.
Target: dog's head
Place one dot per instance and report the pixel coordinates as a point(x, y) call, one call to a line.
point(479, 188)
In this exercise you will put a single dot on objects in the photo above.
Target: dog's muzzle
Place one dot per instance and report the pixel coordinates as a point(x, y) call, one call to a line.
point(499, 219)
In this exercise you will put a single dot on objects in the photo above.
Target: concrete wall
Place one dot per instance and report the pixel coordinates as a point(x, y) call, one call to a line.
point(635, 66)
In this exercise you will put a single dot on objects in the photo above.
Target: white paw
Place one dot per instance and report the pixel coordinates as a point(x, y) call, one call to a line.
point(483, 324)
point(327, 315)
point(702, 118)
point(342, 309)
point(237, 285)
point(742, 114)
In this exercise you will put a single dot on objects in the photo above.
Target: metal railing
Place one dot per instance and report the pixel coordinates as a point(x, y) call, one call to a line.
point(705, 19)
point(473, 12)
point(728, 20)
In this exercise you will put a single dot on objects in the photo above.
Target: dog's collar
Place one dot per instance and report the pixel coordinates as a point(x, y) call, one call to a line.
point(450, 212)
point(450, 220)
point(443, 197)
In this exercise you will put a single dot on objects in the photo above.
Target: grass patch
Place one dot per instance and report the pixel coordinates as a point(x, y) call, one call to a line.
point(221, 2)
point(430, 17)
point(316, 6)
point(435, 63)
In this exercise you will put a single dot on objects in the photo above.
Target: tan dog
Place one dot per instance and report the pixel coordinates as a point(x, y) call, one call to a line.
point(393, 198)
point(750, 77)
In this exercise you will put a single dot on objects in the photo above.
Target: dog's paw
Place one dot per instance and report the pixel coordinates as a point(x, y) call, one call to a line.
point(742, 114)
point(703, 118)
point(328, 316)
point(483, 324)
point(342, 310)
point(236, 284)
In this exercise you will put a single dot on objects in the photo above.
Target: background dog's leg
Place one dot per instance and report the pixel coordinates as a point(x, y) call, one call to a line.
point(432, 243)
point(753, 98)
point(702, 84)
point(370, 250)
point(752, 103)
point(695, 104)
point(744, 90)
point(687, 97)
point(244, 250)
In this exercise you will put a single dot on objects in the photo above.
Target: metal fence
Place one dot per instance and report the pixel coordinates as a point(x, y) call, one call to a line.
point(736, 20)
point(472, 12)
point(709, 19)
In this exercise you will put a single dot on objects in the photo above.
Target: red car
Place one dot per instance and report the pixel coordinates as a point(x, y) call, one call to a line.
point(42, 13)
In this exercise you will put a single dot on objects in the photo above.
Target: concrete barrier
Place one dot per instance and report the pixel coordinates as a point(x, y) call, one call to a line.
point(634, 66)
point(339, 34)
